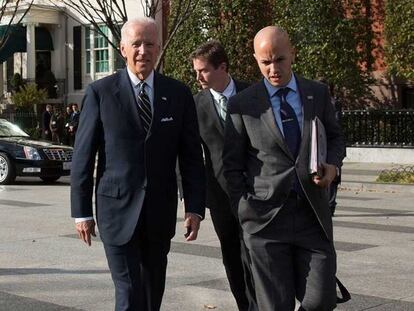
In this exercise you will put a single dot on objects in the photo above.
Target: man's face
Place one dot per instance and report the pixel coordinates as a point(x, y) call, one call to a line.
point(140, 48)
point(207, 75)
point(275, 61)
point(75, 108)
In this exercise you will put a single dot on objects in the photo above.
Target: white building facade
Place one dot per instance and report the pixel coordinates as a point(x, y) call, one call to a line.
point(59, 41)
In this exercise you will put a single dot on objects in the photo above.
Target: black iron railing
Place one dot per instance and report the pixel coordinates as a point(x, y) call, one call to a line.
point(27, 121)
point(379, 128)
point(362, 128)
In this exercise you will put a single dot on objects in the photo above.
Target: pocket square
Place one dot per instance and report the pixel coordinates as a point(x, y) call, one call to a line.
point(167, 119)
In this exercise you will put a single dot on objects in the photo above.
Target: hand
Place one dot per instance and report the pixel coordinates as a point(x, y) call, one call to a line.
point(85, 230)
point(192, 224)
point(329, 174)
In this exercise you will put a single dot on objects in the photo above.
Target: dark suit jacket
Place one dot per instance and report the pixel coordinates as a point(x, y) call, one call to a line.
point(212, 135)
point(74, 121)
point(258, 165)
point(132, 166)
point(46, 116)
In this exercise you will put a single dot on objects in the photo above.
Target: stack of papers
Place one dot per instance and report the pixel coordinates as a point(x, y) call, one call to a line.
point(318, 147)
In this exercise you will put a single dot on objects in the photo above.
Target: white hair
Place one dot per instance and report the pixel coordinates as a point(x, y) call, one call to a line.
point(137, 21)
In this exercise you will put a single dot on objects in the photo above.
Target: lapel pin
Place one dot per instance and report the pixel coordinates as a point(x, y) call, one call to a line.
point(310, 97)
point(164, 98)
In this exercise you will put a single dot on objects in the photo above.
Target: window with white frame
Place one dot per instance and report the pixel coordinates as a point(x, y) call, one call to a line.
point(97, 50)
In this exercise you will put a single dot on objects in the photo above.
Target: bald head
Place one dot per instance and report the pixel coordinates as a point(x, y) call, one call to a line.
point(274, 55)
point(273, 35)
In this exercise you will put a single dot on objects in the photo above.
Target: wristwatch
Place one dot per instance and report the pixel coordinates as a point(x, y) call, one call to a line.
point(337, 171)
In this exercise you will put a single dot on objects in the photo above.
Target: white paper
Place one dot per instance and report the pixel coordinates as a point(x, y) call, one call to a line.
point(318, 147)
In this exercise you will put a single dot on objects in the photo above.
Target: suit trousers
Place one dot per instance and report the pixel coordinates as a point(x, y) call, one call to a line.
point(138, 271)
point(293, 258)
point(235, 256)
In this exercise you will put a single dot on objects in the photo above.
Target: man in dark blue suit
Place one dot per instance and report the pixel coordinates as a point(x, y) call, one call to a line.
point(138, 122)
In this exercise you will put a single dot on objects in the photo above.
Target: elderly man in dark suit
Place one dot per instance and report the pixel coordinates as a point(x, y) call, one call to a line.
point(283, 210)
point(138, 122)
point(211, 65)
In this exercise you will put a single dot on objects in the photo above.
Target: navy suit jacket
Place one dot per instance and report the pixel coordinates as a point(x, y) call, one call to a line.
point(133, 167)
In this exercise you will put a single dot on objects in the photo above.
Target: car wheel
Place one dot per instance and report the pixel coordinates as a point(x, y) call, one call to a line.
point(7, 172)
point(50, 178)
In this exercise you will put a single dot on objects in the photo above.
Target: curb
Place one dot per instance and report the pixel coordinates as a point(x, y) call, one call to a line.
point(376, 187)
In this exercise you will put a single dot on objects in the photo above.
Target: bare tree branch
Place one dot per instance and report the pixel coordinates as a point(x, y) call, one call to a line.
point(180, 18)
point(113, 14)
point(13, 7)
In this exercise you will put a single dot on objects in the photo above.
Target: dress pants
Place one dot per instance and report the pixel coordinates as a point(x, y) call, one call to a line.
point(293, 258)
point(138, 271)
point(235, 256)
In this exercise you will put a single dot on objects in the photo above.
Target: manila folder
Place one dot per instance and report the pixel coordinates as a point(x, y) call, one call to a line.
point(318, 147)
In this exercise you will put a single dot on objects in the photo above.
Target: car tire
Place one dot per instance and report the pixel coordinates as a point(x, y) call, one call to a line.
point(7, 170)
point(50, 178)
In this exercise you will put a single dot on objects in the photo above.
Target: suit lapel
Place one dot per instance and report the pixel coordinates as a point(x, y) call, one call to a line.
point(126, 96)
point(209, 106)
point(160, 104)
point(268, 118)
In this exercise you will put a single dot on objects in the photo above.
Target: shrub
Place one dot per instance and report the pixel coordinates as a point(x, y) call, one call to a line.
point(29, 96)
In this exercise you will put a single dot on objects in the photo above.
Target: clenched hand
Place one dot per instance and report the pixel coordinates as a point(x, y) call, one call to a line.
point(192, 224)
point(329, 174)
point(85, 230)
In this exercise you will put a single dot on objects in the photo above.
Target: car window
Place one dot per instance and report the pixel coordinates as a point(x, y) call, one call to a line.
point(8, 129)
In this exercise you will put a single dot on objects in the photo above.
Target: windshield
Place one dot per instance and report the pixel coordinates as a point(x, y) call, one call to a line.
point(8, 129)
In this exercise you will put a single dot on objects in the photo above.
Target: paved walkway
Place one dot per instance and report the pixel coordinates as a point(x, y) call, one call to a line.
point(44, 267)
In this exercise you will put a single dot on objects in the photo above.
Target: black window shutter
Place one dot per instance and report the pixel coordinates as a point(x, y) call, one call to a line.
point(77, 57)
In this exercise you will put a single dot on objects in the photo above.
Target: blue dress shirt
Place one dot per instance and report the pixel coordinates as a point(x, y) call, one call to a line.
point(293, 98)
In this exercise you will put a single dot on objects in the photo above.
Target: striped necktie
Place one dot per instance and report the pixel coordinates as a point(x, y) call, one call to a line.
point(144, 107)
point(222, 105)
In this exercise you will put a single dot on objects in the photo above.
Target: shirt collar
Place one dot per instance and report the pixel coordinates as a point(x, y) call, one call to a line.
point(228, 91)
point(292, 85)
point(135, 81)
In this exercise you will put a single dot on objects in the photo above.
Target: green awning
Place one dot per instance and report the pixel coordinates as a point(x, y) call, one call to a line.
point(15, 40)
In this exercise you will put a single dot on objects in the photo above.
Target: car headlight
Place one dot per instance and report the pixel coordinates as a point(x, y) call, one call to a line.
point(31, 153)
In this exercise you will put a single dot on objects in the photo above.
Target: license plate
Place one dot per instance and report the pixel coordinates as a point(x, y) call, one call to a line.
point(67, 165)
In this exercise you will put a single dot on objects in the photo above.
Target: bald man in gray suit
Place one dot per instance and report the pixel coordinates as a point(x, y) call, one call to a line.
point(283, 210)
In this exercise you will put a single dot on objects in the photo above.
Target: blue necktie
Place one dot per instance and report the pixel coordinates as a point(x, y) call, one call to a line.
point(291, 130)
point(290, 123)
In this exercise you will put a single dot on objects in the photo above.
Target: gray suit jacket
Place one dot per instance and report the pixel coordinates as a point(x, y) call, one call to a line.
point(212, 135)
point(258, 166)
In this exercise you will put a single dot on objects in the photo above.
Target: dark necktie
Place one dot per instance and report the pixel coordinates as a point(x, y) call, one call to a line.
point(290, 122)
point(291, 130)
point(144, 107)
